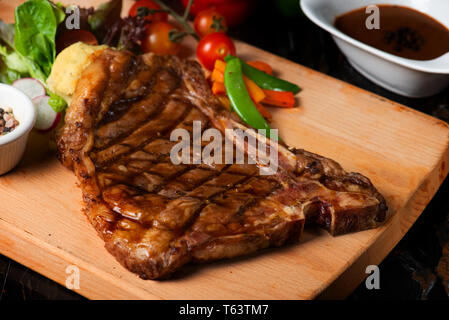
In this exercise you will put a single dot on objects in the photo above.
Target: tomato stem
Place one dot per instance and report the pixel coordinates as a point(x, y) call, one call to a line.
point(144, 11)
point(217, 24)
point(176, 37)
point(180, 19)
point(187, 11)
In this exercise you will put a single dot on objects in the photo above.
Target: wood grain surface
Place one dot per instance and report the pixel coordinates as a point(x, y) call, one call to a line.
point(404, 152)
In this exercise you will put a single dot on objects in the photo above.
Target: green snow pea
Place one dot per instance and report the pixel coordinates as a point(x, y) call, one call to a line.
point(240, 99)
point(264, 80)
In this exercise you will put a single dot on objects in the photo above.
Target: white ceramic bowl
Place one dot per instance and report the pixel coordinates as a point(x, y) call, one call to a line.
point(411, 78)
point(12, 145)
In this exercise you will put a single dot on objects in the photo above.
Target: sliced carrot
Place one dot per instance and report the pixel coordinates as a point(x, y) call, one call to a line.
point(262, 66)
point(217, 76)
point(256, 93)
point(218, 88)
point(254, 90)
point(220, 65)
point(263, 111)
point(284, 99)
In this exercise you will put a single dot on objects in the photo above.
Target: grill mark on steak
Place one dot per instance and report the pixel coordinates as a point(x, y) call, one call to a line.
point(155, 216)
point(143, 109)
point(149, 84)
point(173, 113)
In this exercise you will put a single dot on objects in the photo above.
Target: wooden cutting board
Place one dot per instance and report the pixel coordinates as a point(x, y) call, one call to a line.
point(404, 152)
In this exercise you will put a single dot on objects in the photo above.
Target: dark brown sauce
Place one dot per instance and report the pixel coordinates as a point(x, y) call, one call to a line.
point(403, 32)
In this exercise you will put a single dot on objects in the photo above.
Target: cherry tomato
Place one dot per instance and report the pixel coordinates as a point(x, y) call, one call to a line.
point(209, 21)
point(234, 11)
point(158, 16)
point(212, 47)
point(157, 39)
point(73, 36)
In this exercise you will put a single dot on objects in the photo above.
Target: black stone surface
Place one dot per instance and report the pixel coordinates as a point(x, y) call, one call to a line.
point(409, 271)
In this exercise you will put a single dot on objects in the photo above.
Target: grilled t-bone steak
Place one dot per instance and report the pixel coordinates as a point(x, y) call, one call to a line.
point(155, 216)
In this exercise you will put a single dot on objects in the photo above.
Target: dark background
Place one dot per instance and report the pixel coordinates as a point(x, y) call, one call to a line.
point(410, 271)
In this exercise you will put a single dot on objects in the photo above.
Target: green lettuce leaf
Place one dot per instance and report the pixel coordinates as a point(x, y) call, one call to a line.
point(7, 33)
point(7, 75)
point(36, 23)
point(13, 60)
point(14, 63)
point(57, 103)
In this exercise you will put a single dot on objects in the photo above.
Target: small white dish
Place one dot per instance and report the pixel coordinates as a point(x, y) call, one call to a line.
point(12, 145)
point(411, 78)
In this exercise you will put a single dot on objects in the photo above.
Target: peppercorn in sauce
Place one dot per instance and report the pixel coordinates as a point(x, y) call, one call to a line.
point(402, 31)
point(7, 121)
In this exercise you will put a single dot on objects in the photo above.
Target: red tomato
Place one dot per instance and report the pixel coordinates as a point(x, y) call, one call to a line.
point(73, 36)
point(234, 11)
point(209, 21)
point(212, 47)
point(158, 16)
point(157, 39)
